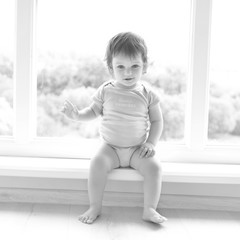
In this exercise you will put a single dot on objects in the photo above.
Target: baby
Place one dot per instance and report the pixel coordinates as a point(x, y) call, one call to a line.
point(131, 126)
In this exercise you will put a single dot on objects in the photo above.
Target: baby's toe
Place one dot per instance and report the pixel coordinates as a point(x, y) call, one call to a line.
point(164, 219)
point(155, 219)
point(159, 220)
point(85, 219)
point(90, 220)
point(82, 218)
point(153, 216)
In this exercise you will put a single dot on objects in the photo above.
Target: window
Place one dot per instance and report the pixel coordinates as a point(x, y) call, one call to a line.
point(6, 67)
point(71, 47)
point(58, 57)
point(224, 74)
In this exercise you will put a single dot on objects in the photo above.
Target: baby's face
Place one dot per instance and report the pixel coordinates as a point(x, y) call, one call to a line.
point(127, 70)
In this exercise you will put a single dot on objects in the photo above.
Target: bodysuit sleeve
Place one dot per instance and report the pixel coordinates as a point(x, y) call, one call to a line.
point(97, 105)
point(153, 98)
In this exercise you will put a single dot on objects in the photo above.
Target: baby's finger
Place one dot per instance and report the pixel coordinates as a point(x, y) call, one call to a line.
point(153, 153)
point(143, 152)
point(149, 153)
point(63, 109)
point(68, 104)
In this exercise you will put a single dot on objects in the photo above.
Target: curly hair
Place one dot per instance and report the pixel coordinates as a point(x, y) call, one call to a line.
point(127, 43)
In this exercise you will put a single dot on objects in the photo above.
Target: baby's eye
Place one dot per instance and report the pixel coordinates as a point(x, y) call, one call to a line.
point(135, 66)
point(120, 67)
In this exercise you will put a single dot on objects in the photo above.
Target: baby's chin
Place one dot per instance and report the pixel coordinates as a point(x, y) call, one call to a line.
point(129, 82)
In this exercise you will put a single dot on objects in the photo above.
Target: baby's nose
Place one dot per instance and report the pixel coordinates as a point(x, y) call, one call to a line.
point(128, 71)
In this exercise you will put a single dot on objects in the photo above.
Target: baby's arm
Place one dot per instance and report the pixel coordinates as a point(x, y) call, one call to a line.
point(156, 120)
point(72, 112)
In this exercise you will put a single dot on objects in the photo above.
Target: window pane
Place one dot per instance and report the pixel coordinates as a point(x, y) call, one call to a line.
point(71, 48)
point(6, 66)
point(224, 107)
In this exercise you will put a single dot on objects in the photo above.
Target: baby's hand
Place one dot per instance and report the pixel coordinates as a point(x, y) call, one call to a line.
point(68, 108)
point(147, 150)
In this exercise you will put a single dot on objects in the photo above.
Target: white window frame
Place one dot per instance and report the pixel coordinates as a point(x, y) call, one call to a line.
point(195, 149)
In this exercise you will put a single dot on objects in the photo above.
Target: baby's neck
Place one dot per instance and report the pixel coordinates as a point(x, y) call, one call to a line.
point(134, 86)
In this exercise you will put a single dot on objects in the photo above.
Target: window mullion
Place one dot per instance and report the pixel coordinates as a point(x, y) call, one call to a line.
point(198, 102)
point(24, 23)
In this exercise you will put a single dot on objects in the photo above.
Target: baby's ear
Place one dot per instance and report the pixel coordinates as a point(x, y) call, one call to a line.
point(145, 66)
point(110, 69)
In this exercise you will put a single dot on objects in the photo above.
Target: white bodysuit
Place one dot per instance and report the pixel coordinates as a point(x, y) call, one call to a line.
point(125, 114)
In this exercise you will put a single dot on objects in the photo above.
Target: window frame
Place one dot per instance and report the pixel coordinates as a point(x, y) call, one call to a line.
point(194, 149)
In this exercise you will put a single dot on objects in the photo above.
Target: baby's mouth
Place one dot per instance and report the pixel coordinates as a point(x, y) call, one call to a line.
point(128, 79)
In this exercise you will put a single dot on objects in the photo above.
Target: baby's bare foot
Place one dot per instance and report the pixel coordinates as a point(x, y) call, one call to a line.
point(152, 215)
point(90, 215)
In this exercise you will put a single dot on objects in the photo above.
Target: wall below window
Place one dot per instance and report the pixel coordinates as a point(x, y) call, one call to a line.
point(194, 186)
point(118, 199)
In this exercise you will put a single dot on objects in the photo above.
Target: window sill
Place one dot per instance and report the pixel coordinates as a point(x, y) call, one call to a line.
point(76, 170)
point(64, 181)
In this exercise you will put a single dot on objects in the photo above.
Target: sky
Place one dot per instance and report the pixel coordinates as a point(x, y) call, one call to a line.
point(7, 21)
point(88, 25)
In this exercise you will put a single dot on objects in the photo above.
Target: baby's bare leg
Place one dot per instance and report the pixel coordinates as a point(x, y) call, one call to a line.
point(104, 161)
point(150, 169)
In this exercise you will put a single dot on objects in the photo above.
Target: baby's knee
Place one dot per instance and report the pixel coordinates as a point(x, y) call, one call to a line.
point(154, 167)
point(98, 163)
